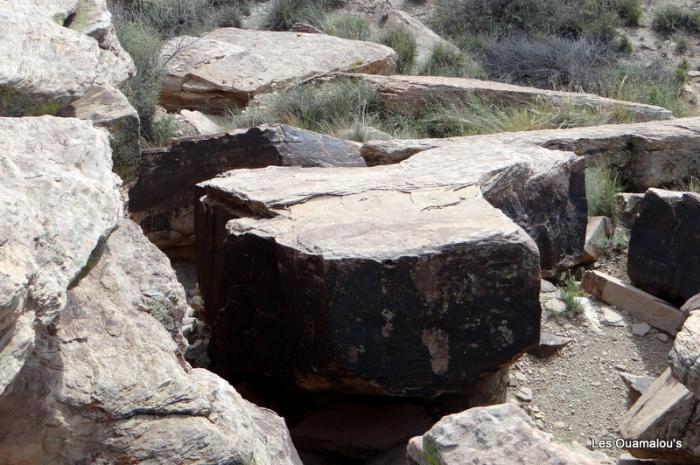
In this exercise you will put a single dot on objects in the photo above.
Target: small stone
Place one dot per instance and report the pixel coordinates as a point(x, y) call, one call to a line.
point(640, 329)
point(613, 318)
point(520, 376)
point(546, 287)
point(524, 394)
point(595, 383)
point(663, 337)
point(549, 345)
point(636, 384)
point(540, 424)
point(555, 306)
point(560, 425)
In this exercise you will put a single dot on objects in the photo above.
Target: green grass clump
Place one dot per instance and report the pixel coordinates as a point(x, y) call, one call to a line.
point(569, 291)
point(285, 13)
point(671, 18)
point(143, 89)
point(630, 11)
point(602, 184)
point(404, 44)
point(446, 61)
point(347, 26)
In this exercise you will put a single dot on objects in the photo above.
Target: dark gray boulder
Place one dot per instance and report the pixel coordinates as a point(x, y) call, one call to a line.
point(664, 250)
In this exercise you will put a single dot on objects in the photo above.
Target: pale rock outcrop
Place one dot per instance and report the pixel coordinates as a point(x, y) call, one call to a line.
point(667, 411)
point(44, 64)
point(664, 248)
point(685, 355)
point(162, 199)
point(598, 233)
point(495, 435)
point(109, 108)
point(426, 39)
point(60, 201)
point(319, 235)
point(414, 93)
point(107, 383)
point(231, 66)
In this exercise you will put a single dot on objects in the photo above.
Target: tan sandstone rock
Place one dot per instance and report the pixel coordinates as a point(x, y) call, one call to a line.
point(496, 435)
point(413, 93)
point(231, 66)
point(44, 64)
point(653, 153)
point(60, 200)
point(106, 383)
point(685, 355)
point(667, 411)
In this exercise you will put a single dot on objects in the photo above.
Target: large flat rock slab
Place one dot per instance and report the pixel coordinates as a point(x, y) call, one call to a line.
point(664, 249)
point(60, 200)
point(653, 154)
point(414, 93)
point(108, 384)
point(541, 190)
point(162, 199)
point(231, 66)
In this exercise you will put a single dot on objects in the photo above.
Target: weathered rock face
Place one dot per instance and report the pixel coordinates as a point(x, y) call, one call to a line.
point(45, 64)
point(315, 261)
point(107, 383)
point(685, 355)
point(652, 154)
point(669, 412)
point(109, 108)
point(162, 200)
point(231, 66)
point(414, 93)
point(598, 233)
point(496, 435)
point(60, 201)
point(664, 250)
point(426, 38)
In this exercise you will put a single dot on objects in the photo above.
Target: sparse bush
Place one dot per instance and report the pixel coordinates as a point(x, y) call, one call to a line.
point(602, 184)
point(347, 26)
point(653, 84)
point(328, 107)
point(446, 61)
point(569, 292)
point(566, 18)
point(285, 13)
point(626, 45)
point(143, 89)
point(690, 184)
point(404, 44)
point(629, 10)
point(672, 18)
point(162, 130)
point(681, 45)
point(551, 62)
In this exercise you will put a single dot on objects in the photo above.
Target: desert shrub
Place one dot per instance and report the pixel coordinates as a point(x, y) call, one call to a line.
point(629, 10)
point(602, 184)
point(567, 18)
point(446, 61)
point(162, 130)
point(681, 45)
point(285, 13)
point(404, 44)
point(569, 292)
point(347, 26)
point(625, 44)
point(326, 107)
point(549, 62)
point(653, 84)
point(142, 89)
point(690, 184)
point(176, 17)
point(672, 18)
